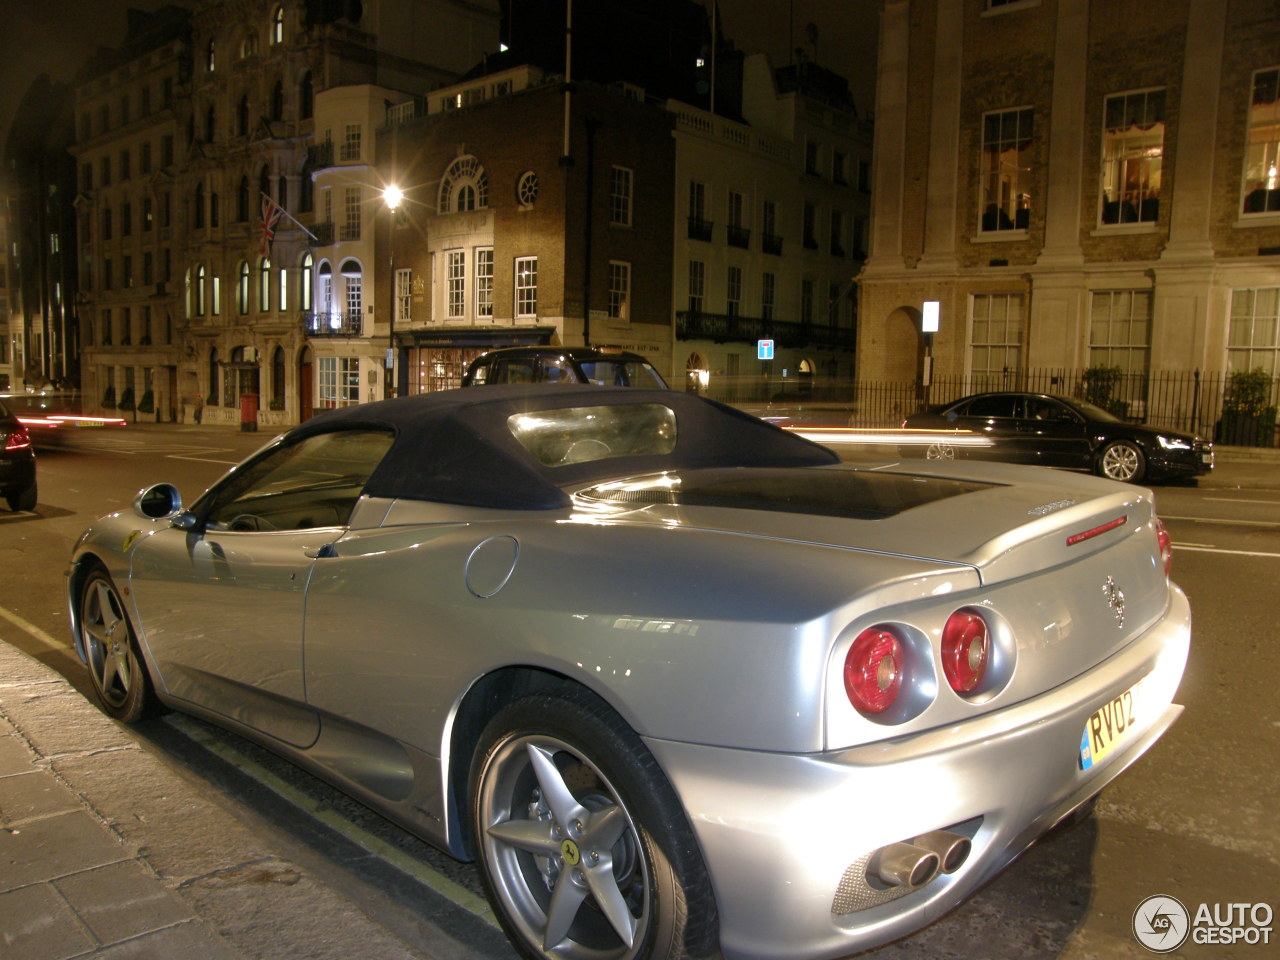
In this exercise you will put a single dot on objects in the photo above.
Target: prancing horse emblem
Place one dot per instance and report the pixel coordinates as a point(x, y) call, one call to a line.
point(1115, 599)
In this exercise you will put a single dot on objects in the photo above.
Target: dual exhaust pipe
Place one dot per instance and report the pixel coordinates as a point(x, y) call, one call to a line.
point(915, 862)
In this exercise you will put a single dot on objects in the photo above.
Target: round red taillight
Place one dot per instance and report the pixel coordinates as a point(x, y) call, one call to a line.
point(873, 670)
point(966, 651)
point(1166, 547)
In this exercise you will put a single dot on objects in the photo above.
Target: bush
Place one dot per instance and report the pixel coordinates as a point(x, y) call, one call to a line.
point(148, 403)
point(109, 398)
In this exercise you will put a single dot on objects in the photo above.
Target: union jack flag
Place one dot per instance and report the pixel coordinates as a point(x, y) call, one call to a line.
point(271, 214)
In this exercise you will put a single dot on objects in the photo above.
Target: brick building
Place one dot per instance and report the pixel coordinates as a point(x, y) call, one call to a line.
point(1079, 184)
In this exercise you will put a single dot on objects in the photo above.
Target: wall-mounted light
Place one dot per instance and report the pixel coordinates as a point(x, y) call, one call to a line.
point(929, 316)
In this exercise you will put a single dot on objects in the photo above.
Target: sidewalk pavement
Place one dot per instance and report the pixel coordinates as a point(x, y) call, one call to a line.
point(106, 852)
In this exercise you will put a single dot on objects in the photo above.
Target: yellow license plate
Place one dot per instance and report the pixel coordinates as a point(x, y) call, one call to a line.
point(1111, 726)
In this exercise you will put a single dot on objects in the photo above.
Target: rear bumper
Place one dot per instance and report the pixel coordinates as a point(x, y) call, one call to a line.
point(17, 473)
point(782, 832)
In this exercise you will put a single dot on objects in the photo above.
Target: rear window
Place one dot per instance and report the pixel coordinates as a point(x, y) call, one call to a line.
point(619, 373)
point(580, 434)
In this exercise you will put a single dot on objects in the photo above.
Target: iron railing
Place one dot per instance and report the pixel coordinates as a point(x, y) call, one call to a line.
point(331, 324)
point(1219, 406)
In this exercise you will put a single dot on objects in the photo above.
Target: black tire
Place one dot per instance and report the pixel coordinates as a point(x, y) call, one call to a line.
point(118, 675)
point(570, 811)
point(22, 499)
point(1122, 460)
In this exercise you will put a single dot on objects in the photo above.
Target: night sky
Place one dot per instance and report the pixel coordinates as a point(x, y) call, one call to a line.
point(58, 36)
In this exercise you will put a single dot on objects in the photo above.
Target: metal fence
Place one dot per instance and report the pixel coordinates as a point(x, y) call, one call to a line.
point(1230, 408)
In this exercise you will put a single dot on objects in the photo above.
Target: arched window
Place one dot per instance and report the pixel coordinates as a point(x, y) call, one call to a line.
point(242, 116)
point(282, 191)
point(304, 280)
point(242, 200)
point(264, 181)
point(277, 26)
point(200, 279)
point(186, 294)
point(214, 378)
point(306, 97)
point(325, 306)
point(277, 379)
point(465, 186)
point(354, 282)
point(210, 124)
point(264, 284)
point(277, 101)
point(249, 45)
point(214, 209)
point(198, 212)
point(210, 56)
point(242, 289)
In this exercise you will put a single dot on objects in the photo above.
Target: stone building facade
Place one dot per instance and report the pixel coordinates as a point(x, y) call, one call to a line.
point(1078, 184)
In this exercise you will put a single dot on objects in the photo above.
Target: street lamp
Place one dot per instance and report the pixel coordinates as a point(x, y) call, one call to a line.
point(391, 196)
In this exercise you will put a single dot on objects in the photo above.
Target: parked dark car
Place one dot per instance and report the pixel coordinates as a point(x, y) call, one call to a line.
point(17, 462)
point(1057, 432)
point(563, 365)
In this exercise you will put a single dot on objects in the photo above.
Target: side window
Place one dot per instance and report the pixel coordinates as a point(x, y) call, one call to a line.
point(991, 407)
point(513, 371)
point(312, 483)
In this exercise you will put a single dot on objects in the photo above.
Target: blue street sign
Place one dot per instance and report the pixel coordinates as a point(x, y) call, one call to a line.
point(764, 349)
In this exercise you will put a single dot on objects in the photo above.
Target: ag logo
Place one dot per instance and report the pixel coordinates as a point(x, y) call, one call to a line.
point(1161, 924)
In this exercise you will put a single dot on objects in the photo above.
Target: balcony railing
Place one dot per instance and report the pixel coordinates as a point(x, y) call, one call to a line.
point(738, 237)
point(331, 324)
point(320, 154)
point(324, 233)
point(772, 244)
point(726, 328)
point(700, 229)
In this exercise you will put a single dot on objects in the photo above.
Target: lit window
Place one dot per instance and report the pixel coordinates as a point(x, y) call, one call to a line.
point(242, 289)
point(277, 25)
point(456, 284)
point(404, 294)
point(1006, 170)
point(733, 291)
point(697, 285)
point(1132, 157)
point(619, 289)
point(264, 285)
point(484, 282)
point(1262, 155)
point(526, 286)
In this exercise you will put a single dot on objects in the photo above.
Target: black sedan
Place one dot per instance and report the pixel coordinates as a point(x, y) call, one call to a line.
point(1056, 432)
point(17, 462)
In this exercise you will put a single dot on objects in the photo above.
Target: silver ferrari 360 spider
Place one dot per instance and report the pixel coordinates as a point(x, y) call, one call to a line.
point(683, 683)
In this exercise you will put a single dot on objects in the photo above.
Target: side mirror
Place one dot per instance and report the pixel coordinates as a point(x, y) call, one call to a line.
point(162, 502)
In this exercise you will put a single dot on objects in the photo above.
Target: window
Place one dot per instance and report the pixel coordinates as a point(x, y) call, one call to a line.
point(200, 281)
point(1120, 330)
point(242, 116)
point(277, 26)
point(465, 186)
point(811, 158)
point(995, 339)
point(126, 219)
point(404, 291)
point(770, 242)
point(1006, 170)
point(148, 268)
point(106, 171)
point(1262, 155)
point(214, 209)
point(166, 150)
point(211, 57)
point(215, 295)
point(810, 226)
point(1254, 338)
point(242, 200)
point(839, 162)
point(733, 291)
point(148, 217)
point(351, 205)
point(106, 328)
point(304, 282)
point(277, 101)
point(699, 226)
point(768, 295)
point(526, 286)
point(619, 289)
point(455, 284)
point(355, 294)
point(737, 233)
point(326, 289)
point(620, 196)
point(306, 97)
point(837, 233)
point(126, 271)
point(283, 303)
point(1132, 157)
point(264, 284)
point(339, 381)
point(242, 289)
point(484, 282)
point(351, 143)
point(806, 300)
point(106, 224)
point(697, 285)
point(106, 274)
point(144, 158)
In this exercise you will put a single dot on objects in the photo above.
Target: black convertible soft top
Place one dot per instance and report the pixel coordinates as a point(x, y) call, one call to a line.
point(455, 446)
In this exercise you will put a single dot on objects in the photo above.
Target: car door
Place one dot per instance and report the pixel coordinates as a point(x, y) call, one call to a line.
point(1051, 433)
point(993, 417)
point(222, 603)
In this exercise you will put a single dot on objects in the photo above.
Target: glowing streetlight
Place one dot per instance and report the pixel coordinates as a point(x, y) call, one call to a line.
point(391, 196)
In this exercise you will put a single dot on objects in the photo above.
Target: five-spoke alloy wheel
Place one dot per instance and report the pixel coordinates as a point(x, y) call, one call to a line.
point(584, 849)
point(118, 674)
